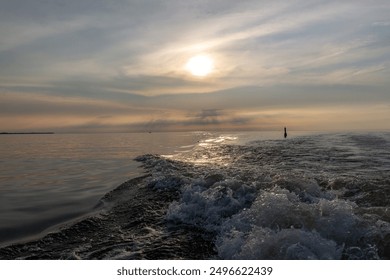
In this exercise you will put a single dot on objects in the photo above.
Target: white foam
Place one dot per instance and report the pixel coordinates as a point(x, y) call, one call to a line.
point(264, 200)
point(264, 243)
point(280, 216)
point(207, 206)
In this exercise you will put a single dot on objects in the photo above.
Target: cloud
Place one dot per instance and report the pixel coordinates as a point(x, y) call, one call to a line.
point(209, 113)
point(43, 105)
point(206, 119)
point(121, 63)
point(381, 23)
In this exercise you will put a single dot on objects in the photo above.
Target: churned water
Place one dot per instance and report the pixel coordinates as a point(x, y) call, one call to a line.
point(239, 196)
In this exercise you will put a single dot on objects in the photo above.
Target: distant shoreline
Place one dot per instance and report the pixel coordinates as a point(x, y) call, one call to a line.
point(10, 133)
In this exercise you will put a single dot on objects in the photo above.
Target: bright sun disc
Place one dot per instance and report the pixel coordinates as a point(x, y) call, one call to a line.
point(200, 65)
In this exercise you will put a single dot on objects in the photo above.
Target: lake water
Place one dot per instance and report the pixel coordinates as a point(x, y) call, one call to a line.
point(49, 179)
point(244, 195)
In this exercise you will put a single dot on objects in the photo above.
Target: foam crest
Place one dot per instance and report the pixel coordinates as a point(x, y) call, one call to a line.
point(278, 218)
point(206, 205)
point(264, 243)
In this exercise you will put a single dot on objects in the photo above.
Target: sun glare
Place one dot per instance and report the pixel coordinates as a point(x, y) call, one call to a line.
point(200, 65)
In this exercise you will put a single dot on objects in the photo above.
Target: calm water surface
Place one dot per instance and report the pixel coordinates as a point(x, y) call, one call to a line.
point(49, 179)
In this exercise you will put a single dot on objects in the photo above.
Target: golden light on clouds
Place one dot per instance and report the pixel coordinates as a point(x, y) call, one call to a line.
point(200, 65)
point(234, 61)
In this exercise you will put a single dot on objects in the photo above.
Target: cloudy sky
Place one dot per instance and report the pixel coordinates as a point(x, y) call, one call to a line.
point(102, 66)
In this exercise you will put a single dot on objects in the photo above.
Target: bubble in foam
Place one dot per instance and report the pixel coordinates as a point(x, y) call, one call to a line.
point(279, 225)
point(207, 206)
point(264, 243)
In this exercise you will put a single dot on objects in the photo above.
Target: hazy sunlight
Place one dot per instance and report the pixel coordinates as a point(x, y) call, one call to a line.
point(200, 65)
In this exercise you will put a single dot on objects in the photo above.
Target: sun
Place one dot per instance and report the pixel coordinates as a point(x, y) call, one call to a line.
point(200, 65)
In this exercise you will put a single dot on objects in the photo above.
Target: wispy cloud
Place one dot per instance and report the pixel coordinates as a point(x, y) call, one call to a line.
point(121, 63)
point(381, 23)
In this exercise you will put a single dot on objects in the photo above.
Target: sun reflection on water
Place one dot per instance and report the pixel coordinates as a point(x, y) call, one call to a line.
point(209, 151)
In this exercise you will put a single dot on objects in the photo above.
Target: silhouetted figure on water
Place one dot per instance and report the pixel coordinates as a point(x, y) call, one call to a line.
point(285, 132)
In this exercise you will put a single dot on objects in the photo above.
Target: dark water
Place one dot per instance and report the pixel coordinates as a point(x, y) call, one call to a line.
point(49, 179)
point(320, 196)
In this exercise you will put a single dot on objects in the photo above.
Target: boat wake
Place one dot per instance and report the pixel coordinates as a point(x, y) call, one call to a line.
point(314, 197)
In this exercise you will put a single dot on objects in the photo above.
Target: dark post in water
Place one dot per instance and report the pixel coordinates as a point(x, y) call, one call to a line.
point(285, 132)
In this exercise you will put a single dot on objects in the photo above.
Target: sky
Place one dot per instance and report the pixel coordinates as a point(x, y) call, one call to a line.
point(120, 66)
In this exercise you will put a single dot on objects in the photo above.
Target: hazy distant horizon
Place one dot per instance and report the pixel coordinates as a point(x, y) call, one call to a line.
point(195, 131)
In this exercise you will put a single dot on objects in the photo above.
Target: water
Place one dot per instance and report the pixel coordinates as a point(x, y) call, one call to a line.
point(49, 179)
point(238, 196)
